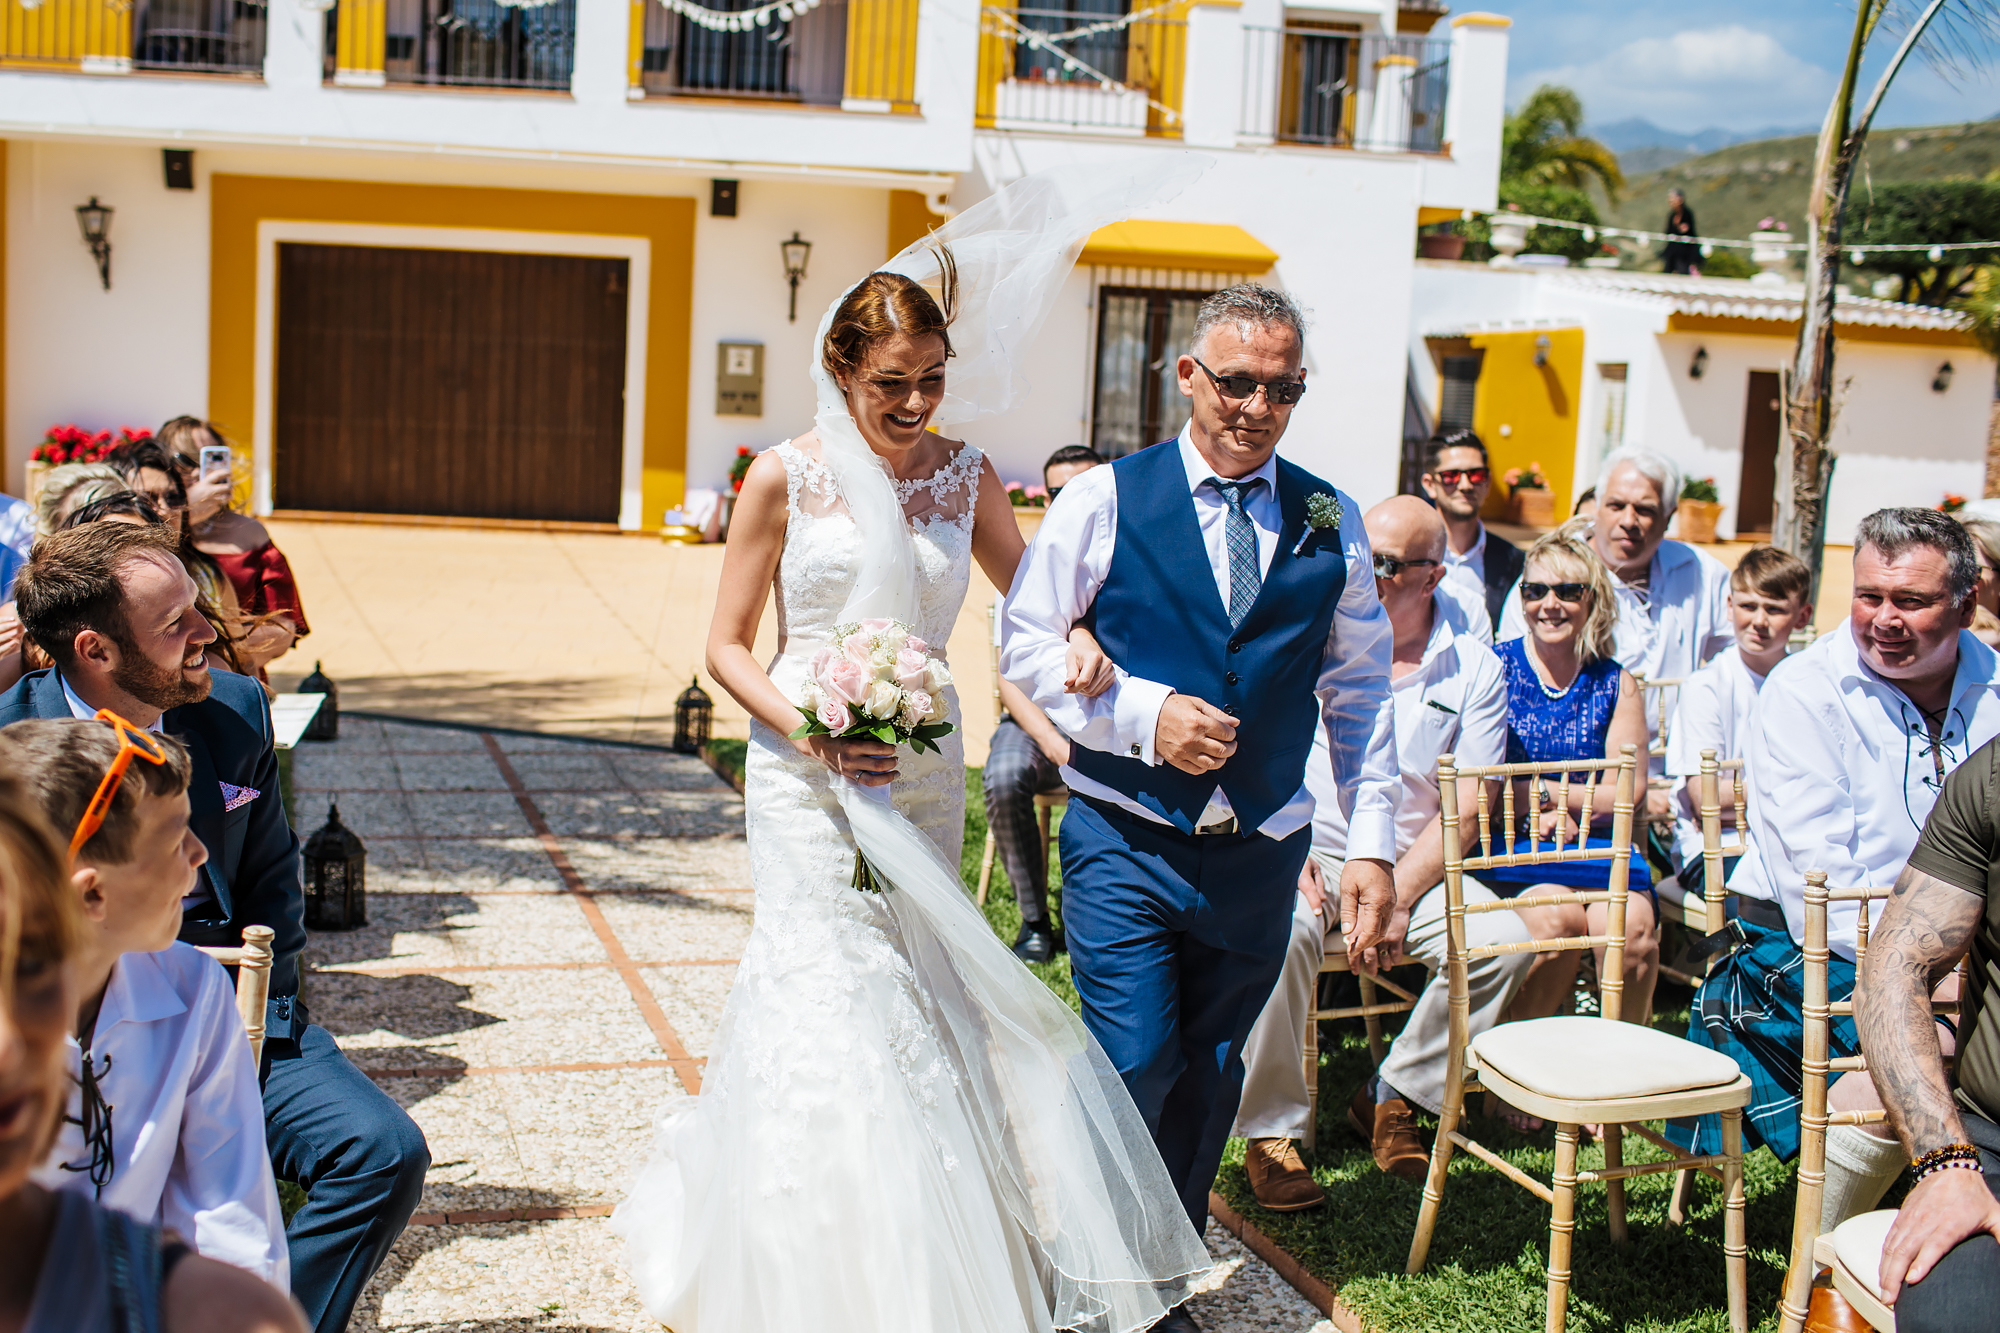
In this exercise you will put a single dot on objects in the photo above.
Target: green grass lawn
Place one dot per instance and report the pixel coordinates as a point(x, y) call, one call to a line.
point(1488, 1255)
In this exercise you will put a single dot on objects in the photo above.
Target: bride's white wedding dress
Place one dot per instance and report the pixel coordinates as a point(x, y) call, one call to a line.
point(899, 1131)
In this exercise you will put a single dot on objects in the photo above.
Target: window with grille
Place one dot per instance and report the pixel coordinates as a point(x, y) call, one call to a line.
point(1461, 384)
point(1103, 52)
point(1141, 334)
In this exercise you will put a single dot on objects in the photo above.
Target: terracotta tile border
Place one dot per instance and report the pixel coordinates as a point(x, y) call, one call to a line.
point(684, 1066)
point(592, 1067)
point(1288, 1268)
point(510, 1215)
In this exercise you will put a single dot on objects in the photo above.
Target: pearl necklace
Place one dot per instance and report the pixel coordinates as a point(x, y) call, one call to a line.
point(1552, 693)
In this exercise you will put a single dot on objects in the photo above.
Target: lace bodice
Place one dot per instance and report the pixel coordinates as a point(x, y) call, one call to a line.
point(815, 572)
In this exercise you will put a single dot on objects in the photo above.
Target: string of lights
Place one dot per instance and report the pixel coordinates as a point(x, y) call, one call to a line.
point(1935, 252)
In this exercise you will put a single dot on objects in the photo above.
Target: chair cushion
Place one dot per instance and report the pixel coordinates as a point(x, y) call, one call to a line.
point(1594, 1059)
point(1858, 1242)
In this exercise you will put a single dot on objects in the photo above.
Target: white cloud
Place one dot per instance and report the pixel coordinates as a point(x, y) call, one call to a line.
point(1731, 76)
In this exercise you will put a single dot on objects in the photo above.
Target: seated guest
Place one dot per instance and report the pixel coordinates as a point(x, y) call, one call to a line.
point(1853, 738)
point(80, 1266)
point(1586, 504)
point(1941, 1263)
point(239, 545)
point(17, 534)
point(149, 471)
point(1025, 761)
point(70, 485)
point(1450, 697)
point(1457, 477)
point(1767, 601)
point(1568, 698)
point(1672, 601)
point(158, 1039)
point(1985, 534)
point(111, 604)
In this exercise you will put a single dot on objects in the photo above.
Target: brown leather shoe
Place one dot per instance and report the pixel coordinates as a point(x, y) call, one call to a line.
point(1830, 1312)
point(1391, 1131)
point(1278, 1178)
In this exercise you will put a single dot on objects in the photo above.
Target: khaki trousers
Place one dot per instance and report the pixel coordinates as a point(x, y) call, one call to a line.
point(1274, 1085)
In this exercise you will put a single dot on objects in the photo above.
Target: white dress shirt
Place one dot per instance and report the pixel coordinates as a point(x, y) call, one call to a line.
point(1666, 630)
point(1842, 774)
point(1455, 702)
point(187, 1118)
point(1718, 706)
point(1059, 578)
point(1466, 574)
point(1466, 612)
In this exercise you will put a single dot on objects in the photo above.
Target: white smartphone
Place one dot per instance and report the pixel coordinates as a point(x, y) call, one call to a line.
point(214, 462)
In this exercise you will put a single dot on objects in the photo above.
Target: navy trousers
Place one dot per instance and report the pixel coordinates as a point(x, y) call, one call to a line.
point(1175, 941)
point(360, 1159)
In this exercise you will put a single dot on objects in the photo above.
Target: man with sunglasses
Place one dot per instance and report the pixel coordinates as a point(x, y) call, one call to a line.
point(1231, 589)
point(1478, 564)
point(113, 606)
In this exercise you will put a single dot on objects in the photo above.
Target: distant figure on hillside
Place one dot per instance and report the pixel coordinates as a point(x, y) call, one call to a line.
point(1681, 256)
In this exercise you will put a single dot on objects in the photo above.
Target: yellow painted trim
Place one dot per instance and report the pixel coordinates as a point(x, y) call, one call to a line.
point(1385, 61)
point(1482, 21)
point(635, 45)
point(63, 33)
point(238, 203)
point(1539, 405)
point(1427, 215)
point(1215, 4)
point(1788, 330)
point(361, 37)
point(1198, 247)
point(882, 52)
point(910, 220)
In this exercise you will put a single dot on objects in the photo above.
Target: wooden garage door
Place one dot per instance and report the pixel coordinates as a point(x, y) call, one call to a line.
point(449, 382)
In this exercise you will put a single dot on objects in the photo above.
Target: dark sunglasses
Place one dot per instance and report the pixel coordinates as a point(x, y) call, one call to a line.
point(1565, 592)
point(1279, 393)
point(1451, 476)
point(1388, 566)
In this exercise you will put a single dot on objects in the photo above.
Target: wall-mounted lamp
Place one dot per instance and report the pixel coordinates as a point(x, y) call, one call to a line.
point(94, 219)
point(1542, 349)
point(796, 254)
point(1699, 366)
point(1943, 380)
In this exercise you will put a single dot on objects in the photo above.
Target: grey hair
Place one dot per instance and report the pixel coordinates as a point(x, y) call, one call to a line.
point(1651, 464)
point(1247, 307)
point(1893, 531)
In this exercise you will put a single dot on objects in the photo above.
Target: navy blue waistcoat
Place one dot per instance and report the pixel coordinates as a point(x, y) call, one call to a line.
point(1160, 617)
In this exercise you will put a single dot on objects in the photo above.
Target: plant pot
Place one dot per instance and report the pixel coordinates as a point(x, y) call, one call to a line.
point(1531, 507)
point(1698, 519)
point(33, 482)
point(1441, 245)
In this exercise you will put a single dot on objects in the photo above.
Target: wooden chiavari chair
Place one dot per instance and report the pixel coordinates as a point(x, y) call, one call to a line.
point(1574, 1070)
point(253, 983)
point(1703, 912)
point(1853, 1251)
point(1369, 1011)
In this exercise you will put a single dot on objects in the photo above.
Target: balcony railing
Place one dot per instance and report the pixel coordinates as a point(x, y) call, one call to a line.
point(116, 36)
point(454, 43)
point(801, 59)
point(1092, 67)
point(1307, 85)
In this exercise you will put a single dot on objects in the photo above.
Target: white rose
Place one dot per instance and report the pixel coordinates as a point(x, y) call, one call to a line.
point(936, 677)
point(936, 710)
point(809, 697)
point(909, 718)
point(883, 700)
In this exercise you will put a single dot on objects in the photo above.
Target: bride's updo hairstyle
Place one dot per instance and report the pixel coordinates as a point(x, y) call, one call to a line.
point(883, 305)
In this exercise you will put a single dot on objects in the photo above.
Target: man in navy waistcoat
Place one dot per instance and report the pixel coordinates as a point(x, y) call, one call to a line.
point(1216, 576)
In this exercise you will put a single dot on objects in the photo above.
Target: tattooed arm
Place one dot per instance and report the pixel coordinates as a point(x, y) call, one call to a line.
point(1926, 928)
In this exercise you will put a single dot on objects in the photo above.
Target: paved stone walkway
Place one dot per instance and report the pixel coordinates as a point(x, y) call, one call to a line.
point(553, 926)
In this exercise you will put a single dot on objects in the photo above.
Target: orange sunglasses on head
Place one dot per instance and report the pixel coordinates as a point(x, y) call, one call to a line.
point(131, 741)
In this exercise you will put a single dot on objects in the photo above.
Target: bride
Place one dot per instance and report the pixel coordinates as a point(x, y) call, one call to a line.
point(900, 1129)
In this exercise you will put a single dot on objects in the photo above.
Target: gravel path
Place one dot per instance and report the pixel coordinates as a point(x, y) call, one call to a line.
point(553, 926)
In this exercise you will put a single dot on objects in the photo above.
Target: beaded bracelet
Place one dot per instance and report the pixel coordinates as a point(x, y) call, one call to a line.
point(1953, 1156)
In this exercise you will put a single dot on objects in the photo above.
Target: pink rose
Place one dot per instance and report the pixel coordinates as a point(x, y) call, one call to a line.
point(856, 649)
point(916, 645)
point(834, 715)
point(820, 661)
point(876, 624)
point(909, 669)
point(846, 680)
point(919, 705)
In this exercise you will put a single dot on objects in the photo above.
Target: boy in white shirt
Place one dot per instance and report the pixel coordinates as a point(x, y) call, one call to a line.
point(165, 1121)
point(1767, 603)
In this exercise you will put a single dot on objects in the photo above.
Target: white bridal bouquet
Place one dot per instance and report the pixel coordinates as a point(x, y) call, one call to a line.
point(879, 680)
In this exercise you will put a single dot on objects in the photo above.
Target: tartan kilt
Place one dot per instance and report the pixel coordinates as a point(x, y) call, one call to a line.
point(1750, 1008)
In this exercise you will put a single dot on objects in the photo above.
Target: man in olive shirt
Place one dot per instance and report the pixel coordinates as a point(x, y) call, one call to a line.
point(1941, 1263)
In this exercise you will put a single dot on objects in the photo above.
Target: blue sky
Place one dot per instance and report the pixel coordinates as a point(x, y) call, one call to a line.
point(1693, 64)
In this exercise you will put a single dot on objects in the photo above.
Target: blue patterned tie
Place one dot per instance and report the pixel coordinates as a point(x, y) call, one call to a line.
point(1240, 539)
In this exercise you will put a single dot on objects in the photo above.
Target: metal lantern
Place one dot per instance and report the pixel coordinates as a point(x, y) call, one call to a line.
point(693, 711)
point(94, 221)
point(325, 725)
point(336, 875)
point(796, 253)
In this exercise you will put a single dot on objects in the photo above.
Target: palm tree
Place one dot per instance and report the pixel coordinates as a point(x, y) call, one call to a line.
point(1542, 143)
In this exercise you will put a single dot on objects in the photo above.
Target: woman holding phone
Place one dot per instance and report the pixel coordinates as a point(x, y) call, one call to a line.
point(238, 543)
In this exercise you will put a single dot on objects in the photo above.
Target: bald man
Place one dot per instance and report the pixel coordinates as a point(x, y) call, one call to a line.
point(1450, 697)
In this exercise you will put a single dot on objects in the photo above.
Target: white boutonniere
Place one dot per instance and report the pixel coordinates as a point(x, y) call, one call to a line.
point(1322, 511)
